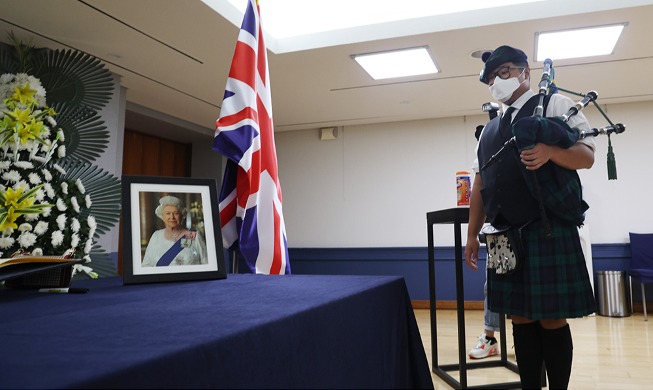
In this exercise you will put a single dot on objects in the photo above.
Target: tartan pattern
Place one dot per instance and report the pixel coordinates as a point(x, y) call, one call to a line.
point(553, 282)
point(559, 187)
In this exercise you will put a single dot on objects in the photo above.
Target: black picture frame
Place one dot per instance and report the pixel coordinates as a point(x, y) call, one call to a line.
point(140, 197)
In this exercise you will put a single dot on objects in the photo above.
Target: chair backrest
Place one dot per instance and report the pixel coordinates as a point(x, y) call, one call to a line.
point(641, 247)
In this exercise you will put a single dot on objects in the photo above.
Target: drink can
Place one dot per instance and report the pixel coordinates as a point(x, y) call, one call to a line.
point(463, 188)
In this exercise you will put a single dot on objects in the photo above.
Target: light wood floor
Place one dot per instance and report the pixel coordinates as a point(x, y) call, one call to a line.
point(609, 352)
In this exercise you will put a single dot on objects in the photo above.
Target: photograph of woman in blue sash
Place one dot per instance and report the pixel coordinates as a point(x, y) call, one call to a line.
point(175, 244)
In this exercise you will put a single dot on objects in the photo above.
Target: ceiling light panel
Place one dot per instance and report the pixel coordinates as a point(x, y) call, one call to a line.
point(397, 63)
point(585, 42)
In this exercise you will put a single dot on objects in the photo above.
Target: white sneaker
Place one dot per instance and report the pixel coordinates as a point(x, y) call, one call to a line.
point(484, 348)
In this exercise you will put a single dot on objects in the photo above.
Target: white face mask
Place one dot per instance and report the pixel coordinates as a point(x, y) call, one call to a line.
point(502, 89)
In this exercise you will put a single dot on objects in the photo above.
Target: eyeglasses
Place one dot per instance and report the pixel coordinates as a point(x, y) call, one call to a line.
point(504, 72)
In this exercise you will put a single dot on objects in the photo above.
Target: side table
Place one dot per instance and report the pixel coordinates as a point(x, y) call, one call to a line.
point(458, 216)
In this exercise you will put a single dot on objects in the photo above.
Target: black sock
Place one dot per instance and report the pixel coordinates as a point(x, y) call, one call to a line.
point(528, 351)
point(558, 354)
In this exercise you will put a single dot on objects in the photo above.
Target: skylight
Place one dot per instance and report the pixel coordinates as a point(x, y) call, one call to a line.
point(292, 25)
point(289, 18)
point(586, 42)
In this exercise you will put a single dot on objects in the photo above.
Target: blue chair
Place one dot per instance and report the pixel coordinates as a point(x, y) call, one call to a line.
point(641, 264)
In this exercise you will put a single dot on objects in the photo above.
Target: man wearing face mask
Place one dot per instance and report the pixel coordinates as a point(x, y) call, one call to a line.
point(552, 283)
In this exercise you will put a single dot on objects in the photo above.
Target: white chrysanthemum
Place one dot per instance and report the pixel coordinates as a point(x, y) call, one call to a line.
point(37, 252)
point(91, 225)
point(5, 165)
point(35, 149)
point(88, 201)
point(88, 246)
point(47, 212)
point(61, 151)
point(64, 188)
point(23, 164)
point(41, 227)
point(22, 185)
point(39, 195)
point(52, 122)
point(12, 176)
point(75, 225)
point(74, 240)
point(80, 186)
point(46, 174)
point(61, 206)
point(32, 217)
point(61, 221)
point(75, 204)
point(26, 239)
point(49, 191)
point(85, 269)
point(59, 169)
point(6, 242)
point(57, 238)
point(34, 178)
point(25, 227)
point(61, 135)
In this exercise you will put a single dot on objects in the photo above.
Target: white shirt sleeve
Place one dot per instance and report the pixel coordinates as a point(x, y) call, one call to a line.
point(559, 105)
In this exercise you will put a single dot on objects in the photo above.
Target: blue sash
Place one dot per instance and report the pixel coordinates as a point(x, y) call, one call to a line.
point(167, 257)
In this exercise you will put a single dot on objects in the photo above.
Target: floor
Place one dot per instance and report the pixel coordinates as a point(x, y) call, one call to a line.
point(609, 352)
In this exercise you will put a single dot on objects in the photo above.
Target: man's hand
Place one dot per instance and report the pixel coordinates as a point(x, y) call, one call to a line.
point(538, 155)
point(471, 253)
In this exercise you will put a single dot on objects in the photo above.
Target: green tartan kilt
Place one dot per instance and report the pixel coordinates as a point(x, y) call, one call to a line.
point(552, 283)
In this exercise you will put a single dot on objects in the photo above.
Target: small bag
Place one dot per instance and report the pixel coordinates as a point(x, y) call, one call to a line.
point(504, 248)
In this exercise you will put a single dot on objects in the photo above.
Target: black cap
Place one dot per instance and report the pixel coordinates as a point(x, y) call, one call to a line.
point(500, 55)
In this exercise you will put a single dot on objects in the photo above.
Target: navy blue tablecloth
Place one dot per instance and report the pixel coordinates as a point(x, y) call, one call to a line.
point(246, 331)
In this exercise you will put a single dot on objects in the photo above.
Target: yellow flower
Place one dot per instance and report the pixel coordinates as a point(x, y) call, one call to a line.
point(9, 220)
point(30, 131)
point(13, 201)
point(24, 94)
point(21, 117)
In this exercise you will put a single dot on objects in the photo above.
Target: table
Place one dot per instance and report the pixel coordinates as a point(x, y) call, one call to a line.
point(246, 331)
point(458, 216)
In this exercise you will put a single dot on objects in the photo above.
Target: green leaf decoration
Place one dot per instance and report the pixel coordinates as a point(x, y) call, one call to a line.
point(103, 187)
point(86, 137)
point(72, 77)
point(8, 59)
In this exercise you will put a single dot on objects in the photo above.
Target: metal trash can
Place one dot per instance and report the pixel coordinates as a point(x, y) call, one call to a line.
point(613, 294)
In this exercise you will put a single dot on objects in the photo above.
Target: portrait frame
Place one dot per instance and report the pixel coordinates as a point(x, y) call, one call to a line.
point(140, 198)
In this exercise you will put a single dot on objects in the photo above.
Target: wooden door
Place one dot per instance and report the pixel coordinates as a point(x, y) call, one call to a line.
point(147, 155)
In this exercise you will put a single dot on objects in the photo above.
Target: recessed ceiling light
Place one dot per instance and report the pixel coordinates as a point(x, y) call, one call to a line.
point(397, 63)
point(479, 53)
point(584, 42)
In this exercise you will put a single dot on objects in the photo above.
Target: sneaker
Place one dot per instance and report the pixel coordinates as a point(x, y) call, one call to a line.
point(484, 347)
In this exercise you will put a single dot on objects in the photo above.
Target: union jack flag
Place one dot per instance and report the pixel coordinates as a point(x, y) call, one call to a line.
point(251, 215)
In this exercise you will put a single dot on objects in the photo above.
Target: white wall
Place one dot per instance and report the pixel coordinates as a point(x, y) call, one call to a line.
point(374, 184)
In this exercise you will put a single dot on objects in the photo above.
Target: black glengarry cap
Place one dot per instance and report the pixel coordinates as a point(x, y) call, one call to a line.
point(500, 55)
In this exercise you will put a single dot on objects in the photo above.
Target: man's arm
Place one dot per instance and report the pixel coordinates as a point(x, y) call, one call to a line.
point(476, 221)
point(578, 156)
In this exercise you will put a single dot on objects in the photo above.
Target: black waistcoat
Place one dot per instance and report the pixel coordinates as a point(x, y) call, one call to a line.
point(506, 197)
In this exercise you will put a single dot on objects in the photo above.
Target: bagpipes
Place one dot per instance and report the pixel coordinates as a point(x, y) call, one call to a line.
point(556, 189)
point(547, 86)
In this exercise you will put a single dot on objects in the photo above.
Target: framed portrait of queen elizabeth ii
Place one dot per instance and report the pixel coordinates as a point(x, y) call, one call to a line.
point(171, 230)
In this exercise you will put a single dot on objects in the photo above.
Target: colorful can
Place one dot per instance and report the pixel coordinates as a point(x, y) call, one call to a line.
point(463, 187)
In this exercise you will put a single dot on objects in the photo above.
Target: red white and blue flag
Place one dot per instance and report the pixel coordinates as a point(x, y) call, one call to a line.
point(251, 215)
